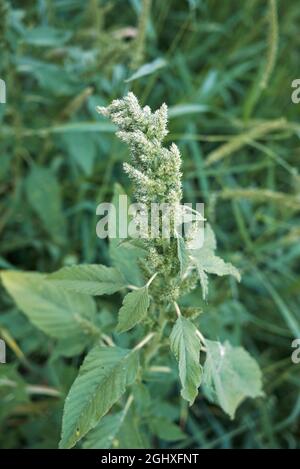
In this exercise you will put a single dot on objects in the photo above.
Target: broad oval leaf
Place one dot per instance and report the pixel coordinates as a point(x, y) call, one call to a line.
point(91, 279)
point(186, 347)
point(134, 309)
point(102, 379)
point(56, 312)
point(230, 375)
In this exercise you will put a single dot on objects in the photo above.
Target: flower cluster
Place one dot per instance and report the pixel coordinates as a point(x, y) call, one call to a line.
point(155, 170)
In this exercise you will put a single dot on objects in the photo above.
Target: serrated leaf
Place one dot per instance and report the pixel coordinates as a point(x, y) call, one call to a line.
point(186, 347)
point(206, 261)
point(43, 194)
point(90, 279)
point(230, 375)
point(134, 309)
point(58, 313)
point(102, 379)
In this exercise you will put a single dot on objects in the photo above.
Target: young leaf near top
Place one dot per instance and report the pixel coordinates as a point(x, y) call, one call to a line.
point(134, 309)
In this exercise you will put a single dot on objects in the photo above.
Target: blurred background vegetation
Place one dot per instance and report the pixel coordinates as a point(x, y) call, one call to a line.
point(225, 70)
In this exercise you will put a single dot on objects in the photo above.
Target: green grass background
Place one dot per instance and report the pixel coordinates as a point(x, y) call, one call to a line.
point(225, 70)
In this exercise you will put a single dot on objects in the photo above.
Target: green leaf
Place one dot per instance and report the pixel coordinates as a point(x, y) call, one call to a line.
point(230, 375)
point(90, 279)
point(207, 262)
point(46, 36)
point(147, 69)
point(12, 390)
point(183, 255)
point(180, 110)
point(186, 347)
point(102, 379)
point(120, 430)
point(166, 430)
point(132, 434)
point(43, 193)
point(103, 435)
point(134, 309)
point(82, 149)
point(56, 312)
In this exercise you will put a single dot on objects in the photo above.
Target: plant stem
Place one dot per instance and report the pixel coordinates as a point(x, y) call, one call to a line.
point(143, 341)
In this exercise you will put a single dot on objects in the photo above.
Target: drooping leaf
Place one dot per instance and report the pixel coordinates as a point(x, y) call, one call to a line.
point(207, 262)
point(58, 313)
point(102, 379)
point(230, 375)
point(134, 309)
point(91, 279)
point(186, 347)
point(43, 193)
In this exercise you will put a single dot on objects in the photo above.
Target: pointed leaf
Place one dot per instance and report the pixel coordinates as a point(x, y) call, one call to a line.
point(102, 379)
point(90, 279)
point(186, 347)
point(134, 309)
point(56, 312)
